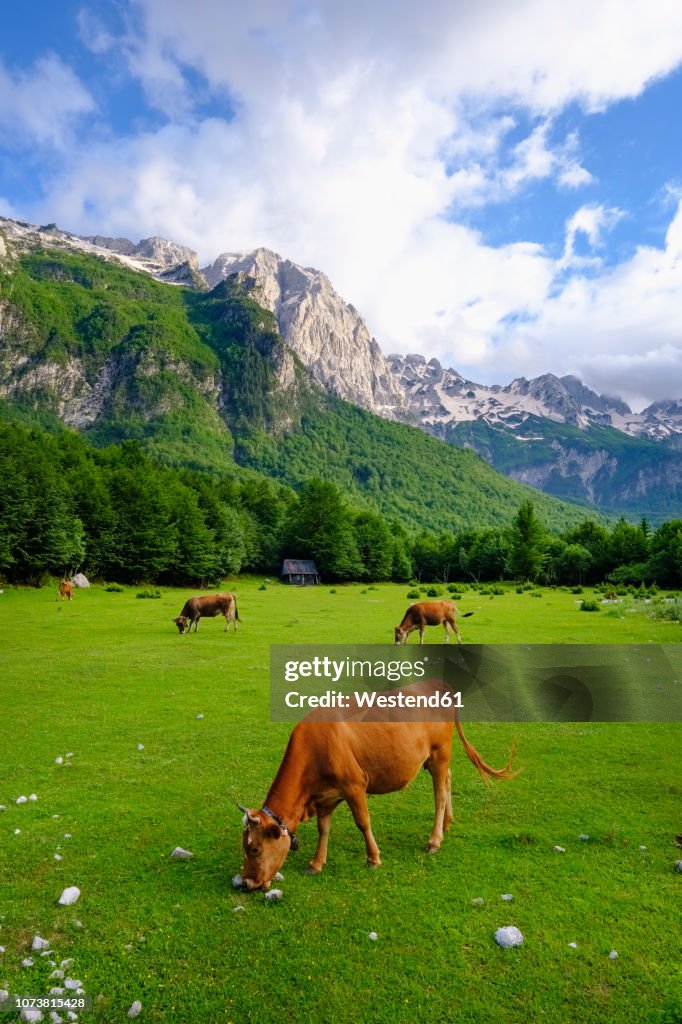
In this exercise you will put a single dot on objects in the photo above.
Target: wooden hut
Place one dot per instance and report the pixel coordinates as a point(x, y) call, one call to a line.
point(299, 572)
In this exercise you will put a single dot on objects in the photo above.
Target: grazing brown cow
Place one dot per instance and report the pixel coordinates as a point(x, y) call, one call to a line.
point(65, 591)
point(429, 613)
point(328, 762)
point(208, 606)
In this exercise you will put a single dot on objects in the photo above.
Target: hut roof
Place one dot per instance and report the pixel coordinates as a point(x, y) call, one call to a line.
point(298, 567)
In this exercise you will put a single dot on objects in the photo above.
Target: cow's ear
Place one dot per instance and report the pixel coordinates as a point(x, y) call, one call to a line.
point(273, 832)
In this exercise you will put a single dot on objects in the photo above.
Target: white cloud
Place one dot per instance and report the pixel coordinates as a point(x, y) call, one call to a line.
point(43, 104)
point(359, 132)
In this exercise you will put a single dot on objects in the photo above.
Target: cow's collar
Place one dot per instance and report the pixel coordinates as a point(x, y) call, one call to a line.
point(285, 831)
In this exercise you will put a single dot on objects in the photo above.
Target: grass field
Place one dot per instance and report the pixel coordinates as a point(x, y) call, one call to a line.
point(108, 672)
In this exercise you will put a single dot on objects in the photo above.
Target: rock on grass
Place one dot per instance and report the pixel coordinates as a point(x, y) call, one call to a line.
point(136, 1009)
point(69, 896)
point(508, 936)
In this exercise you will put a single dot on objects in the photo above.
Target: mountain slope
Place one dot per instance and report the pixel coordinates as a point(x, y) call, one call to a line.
point(203, 379)
point(550, 432)
point(555, 434)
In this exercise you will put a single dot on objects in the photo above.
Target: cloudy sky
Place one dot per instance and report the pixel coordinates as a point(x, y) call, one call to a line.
point(497, 184)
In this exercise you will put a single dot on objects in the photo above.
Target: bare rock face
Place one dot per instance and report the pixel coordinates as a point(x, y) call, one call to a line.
point(327, 334)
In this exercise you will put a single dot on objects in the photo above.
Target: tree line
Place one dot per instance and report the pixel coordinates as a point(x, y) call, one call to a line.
point(117, 515)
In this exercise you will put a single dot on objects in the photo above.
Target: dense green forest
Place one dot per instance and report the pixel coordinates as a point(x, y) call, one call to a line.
point(117, 514)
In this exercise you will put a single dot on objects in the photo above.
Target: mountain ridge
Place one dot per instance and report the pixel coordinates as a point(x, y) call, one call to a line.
point(551, 432)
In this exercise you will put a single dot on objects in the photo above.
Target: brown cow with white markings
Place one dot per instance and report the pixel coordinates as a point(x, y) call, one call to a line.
point(65, 591)
point(208, 607)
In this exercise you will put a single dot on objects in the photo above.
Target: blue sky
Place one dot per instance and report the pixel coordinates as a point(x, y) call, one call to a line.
point(496, 185)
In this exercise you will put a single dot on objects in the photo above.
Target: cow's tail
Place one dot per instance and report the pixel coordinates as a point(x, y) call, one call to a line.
point(236, 612)
point(484, 769)
point(462, 615)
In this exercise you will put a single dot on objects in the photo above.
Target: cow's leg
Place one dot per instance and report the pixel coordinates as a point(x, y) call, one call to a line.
point(324, 825)
point(227, 623)
point(196, 624)
point(456, 629)
point(446, 627)
point(440, 773)
point(356, 799)
point(448, 817)
point(422, 630)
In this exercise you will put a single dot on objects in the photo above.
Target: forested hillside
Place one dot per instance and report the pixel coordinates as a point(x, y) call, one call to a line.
point(204, 381)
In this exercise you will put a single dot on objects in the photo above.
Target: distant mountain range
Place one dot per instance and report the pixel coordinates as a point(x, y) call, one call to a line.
point(551, 432)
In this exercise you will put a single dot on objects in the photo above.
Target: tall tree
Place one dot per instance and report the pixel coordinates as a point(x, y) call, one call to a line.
point(322, 528)
point(528, 544)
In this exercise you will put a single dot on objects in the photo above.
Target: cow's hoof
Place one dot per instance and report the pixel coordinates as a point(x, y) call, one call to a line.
point(432, 848)
point(373, 864)
point(312, 870)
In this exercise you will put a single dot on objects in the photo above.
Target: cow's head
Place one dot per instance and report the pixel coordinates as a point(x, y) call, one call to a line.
point(181, 622)
point(401, 635)
point(266, 846)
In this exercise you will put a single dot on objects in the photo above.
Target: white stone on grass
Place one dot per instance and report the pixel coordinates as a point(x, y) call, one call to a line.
point(21, 799)
point(2, 808)
point(55, 1018)
point(274, 895)
point(28, 1014)
point(279, 877)
point(67, 835)
point(508, 936)
point(136, 1009)
point(59, 760)
point(39, 943)
point(4, 995)
point(506, 896)
point(239, 906)
point(57, 856)
point(583, 836)
point(69, 896)
point(200, 716)
point(237, 882)
point(33, 797)
point(559, 849)
point(28, 962)
point(72, 983)
point(373, 936)
point(477, 899)
point(2, 949)
point(140, 746)
point(58, 975)
point(17, 831)
point(180, 854)
point(613, 955)
point(678, 866)
point(71, 1015)
point(67, 963)
point(56, 991)
point(69, 755)
point(573, 945)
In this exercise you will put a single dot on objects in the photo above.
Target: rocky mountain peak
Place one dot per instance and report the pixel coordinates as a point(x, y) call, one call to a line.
point(327, 334)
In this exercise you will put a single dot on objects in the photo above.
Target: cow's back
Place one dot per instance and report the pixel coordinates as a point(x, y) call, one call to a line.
point(384, 755)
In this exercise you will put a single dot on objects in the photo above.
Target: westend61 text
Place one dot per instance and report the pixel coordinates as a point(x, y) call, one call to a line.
point(360, 699)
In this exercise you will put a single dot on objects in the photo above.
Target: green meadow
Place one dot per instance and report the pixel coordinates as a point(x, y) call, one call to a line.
point(100, 676)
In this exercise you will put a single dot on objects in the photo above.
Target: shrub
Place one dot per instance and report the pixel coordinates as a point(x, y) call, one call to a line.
point(413, 595)
point(152, 595)
point(114, 588)
point(433, 591)
point(576, 590)
point(589, 606)
point(262, 587)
